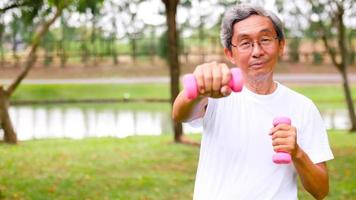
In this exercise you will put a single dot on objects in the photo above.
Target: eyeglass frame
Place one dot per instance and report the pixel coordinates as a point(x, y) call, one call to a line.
point(252, 44)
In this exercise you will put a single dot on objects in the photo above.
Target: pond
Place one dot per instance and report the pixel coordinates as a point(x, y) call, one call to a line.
point(76, 122)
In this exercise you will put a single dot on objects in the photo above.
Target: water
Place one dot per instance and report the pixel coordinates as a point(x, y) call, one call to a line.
point(76, 122)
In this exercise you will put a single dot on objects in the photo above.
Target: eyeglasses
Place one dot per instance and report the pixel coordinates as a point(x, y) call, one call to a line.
point(246, 45)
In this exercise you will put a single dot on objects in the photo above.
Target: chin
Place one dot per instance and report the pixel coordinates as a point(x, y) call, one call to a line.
point(260, 75)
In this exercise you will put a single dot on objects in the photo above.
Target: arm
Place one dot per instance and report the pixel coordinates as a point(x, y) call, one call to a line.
point(314, 177)
point(212, 81)
point(185, 109)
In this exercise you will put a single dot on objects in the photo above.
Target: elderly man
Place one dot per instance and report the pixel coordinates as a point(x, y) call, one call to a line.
point(239, 140)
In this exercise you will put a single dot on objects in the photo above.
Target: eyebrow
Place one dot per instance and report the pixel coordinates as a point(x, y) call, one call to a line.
point(266, 30)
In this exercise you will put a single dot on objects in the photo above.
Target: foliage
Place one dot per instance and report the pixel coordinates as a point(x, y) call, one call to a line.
point(48, 46)
point(92, 5)
point(293, 45)
point(317, 58)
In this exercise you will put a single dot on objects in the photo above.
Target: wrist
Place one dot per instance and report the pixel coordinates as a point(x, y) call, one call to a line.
point(298, 154)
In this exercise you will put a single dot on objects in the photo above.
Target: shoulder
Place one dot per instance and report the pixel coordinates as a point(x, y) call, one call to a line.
point(295, 96)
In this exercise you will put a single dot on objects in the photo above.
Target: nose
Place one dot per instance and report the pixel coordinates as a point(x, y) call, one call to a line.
point(257, 51)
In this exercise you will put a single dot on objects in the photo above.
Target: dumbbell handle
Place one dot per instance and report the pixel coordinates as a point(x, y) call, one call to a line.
point(281, 157)
point(191, 86)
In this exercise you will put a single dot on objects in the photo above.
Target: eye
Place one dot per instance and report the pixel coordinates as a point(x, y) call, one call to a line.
point(244, 43)
point(265, 40)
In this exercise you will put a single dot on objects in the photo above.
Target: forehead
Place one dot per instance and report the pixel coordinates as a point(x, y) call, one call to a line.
point(253, 25)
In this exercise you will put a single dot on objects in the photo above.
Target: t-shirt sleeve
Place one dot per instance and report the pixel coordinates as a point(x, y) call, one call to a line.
point(313, 136)
point(199, 123)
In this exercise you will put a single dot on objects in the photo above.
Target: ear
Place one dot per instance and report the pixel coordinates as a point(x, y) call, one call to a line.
point(229, 56)
point(282, 43)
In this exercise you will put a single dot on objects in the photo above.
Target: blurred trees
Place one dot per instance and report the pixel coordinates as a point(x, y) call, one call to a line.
point(331, 15)
point(92, 7)
point(326, 20)
point(30, 11)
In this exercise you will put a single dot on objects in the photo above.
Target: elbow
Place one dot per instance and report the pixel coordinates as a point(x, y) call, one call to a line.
point(321, 196)
point(177, 117)
point(322, 193)
point(325, 193)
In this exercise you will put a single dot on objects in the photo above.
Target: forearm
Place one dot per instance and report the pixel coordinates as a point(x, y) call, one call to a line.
point(185, 109)
point(314, 177)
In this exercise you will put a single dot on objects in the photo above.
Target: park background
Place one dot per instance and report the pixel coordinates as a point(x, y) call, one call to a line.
point(87, 86)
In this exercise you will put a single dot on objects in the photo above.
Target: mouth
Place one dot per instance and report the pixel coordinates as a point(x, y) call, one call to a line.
point(257, 65)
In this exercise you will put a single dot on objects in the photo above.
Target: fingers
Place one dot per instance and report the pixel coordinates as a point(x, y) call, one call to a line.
point(212, 79)
point(226, 74)
point(283, 148)
point(281, 134)
point(284, 127)
point(208, 79)
point(282, 141)
point(284, 138)
point(199, 77)
point(216, 80)
point(225, 90)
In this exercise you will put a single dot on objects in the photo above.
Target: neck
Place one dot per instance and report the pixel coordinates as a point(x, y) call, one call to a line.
point(262, 86)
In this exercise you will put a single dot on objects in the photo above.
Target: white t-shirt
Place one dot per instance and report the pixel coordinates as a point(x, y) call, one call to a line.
point(236, 148)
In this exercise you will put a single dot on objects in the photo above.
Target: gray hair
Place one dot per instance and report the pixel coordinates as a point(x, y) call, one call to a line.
point(241, 12)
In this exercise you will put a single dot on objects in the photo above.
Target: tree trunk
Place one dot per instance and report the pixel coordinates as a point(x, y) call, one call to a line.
point(5, 120)
point(63, 56)
point(2, 31)
point(152, 46)
point(84, 52)
point(349, 101)
point(344, 62)
point(171, 10)
point(93, 40)
point(113, 42)
point(2, 57)
point(113, 51)
point(133, 49)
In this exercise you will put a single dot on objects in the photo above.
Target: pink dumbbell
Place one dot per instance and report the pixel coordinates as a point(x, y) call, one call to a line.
point(191, 86)
point(281, 157)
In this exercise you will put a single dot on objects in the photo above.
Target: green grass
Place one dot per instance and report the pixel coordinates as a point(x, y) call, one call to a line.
point(326, 96)
point(149, 167)
point(161, 107)
point(131, 168)
point(329, 95)
point(90, 91)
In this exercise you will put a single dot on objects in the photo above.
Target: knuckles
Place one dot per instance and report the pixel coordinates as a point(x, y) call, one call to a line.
point(211, 77)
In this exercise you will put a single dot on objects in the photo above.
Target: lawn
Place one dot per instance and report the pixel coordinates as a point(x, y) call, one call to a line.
point(90, 91)
point(318, 93)
point(150, 167)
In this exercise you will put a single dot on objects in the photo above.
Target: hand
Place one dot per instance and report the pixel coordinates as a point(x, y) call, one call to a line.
point(213, 79)
point(284, 138)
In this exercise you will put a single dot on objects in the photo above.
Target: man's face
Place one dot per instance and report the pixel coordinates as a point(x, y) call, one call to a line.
point(255, 47)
